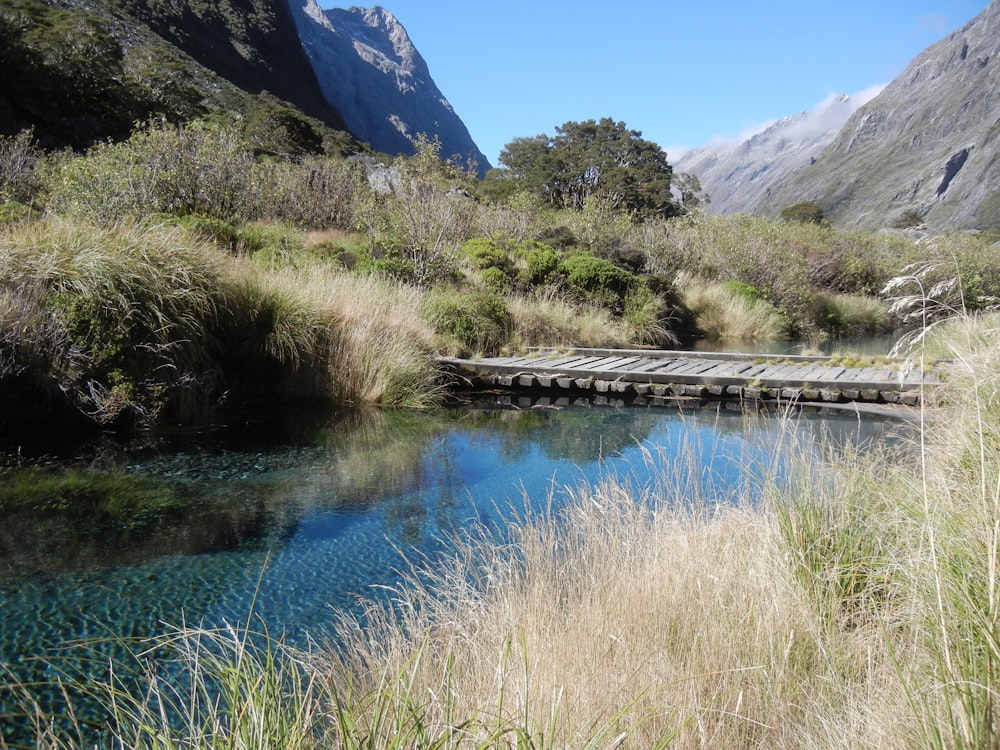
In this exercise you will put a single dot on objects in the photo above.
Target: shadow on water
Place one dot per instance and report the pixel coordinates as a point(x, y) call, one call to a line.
point(293, 518)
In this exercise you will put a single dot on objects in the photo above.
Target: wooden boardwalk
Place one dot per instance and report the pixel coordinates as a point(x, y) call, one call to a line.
point(663, 373)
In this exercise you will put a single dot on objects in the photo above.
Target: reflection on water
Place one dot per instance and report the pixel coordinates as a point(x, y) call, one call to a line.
point(295, 523)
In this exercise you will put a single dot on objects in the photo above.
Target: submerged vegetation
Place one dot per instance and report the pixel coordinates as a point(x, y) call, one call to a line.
point(852, 604)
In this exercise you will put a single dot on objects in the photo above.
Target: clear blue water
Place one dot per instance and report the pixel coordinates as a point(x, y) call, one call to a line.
point(300, 518)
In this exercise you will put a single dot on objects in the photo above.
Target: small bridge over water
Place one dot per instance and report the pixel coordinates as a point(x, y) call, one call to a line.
point(662, 374)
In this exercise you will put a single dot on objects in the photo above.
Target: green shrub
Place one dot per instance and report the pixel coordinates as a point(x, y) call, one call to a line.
point(484, 253)
point(479, 323)
point(743, 290)
point(222, 233)
point(805, 212)
point(12, 212)
point(496, 280)
point(197, 169)
point(908, 219)
point(597, 280)
point(540, 264)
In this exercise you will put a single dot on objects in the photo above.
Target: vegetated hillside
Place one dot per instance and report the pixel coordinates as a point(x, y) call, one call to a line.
point(369, 69)
point(926, 148)
point(78, 73)
point(737, 175)
point(251, 43)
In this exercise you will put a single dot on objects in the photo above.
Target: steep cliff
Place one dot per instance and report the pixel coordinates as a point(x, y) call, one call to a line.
point(928, 144)
point(736, 176)
point(370, 71)
point(253, 44)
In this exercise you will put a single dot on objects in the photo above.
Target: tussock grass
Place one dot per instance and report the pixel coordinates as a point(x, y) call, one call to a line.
point(380, 348)
point(850, 315)
point(547, 320)
point(645, 616)
point(125, 325)
point(125, 311)
point(721, 314)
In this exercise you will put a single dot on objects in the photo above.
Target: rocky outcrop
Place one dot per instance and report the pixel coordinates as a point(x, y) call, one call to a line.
point(928, 144)
point(737, 176)
point(369, 70)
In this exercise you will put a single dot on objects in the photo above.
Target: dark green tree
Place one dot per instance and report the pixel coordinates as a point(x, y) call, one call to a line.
point(594, 159)
point(805, 212)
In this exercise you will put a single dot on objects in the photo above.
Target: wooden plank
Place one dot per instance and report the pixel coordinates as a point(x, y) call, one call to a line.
point(678, 367)
point(615, 365)
point(585, 362)
point(603, 364)
point(725, 370)
point(650, 365)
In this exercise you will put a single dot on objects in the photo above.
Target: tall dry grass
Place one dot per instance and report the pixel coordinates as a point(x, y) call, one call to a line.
point(380, 348)
point(720, 314)
point(548, 320)
point(635, 616)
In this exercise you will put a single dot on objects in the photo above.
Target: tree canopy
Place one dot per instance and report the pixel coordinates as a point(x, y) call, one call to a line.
point(594, 159)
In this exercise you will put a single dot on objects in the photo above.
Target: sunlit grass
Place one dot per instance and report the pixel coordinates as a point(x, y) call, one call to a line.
point(722, 315)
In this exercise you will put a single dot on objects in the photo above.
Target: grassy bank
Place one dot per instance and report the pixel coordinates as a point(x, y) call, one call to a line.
point(180, 271)
point(855, 606)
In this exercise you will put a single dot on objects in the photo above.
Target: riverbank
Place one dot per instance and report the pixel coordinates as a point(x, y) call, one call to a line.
point(852, 605)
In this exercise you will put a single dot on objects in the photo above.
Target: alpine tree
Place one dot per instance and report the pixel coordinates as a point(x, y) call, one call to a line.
point(594, 159)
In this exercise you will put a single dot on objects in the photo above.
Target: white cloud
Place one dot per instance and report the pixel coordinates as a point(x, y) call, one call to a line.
point(828, 114)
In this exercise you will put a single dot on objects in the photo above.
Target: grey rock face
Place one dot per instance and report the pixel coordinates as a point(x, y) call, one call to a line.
point(738, 176)
point(370, 71)
point(929, 143)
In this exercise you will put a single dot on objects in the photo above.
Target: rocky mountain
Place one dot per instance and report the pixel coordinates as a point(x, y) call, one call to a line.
point(737, 175)
point(927, 145)
point(80, 71)
point(370, 71)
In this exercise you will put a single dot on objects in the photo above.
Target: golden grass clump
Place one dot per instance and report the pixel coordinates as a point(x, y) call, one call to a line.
point(722, 315)
point(380, 349)
point(546, 320)
point(633, 617)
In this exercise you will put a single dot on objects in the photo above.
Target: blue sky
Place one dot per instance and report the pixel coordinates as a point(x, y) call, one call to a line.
point(683, 73)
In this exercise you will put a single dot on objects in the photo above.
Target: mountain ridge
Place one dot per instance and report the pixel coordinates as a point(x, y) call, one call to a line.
point(81, 71)
point(928, 145)
point(736, 175)
point(400, 98)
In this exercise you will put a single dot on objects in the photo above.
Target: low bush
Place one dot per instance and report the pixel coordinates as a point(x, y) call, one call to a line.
point(538, 264)
point(593, 279)
point(162, 169)
point(478, 323)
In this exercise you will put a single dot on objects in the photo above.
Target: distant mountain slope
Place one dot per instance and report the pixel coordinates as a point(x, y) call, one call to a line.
point(929, 143)
point(370, 71)
point(250, 43)
point(736, 176)
point(81, 71)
